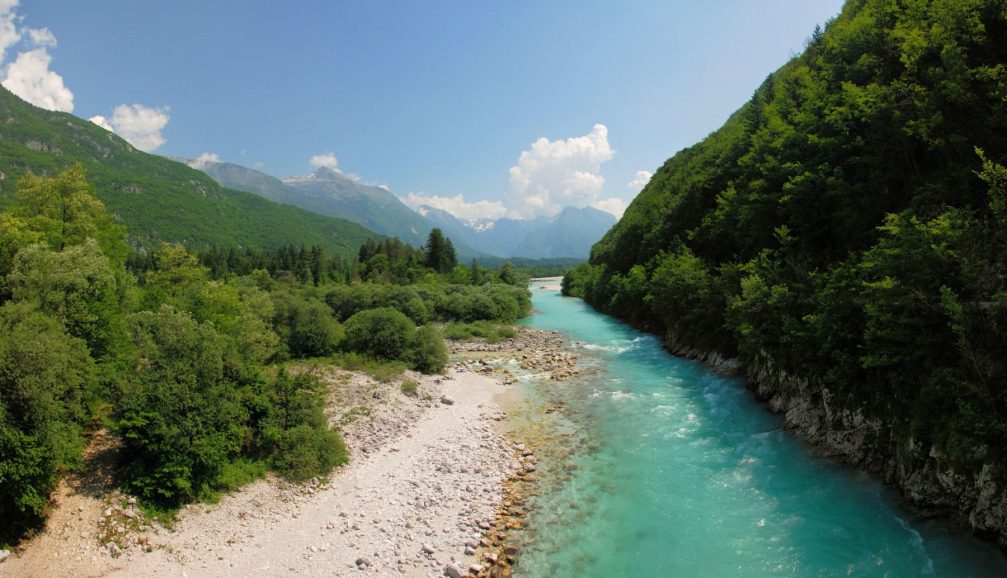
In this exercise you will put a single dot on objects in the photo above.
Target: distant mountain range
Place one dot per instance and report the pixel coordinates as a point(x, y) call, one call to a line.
point(332, 193)
point(156, 198)
point(569, 234)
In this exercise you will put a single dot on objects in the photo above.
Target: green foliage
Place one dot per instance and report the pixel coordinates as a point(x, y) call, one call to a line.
point(429, 353)
point(842, 226)
point(171, 358)
point(381, 370)
point(180, 416)
point(491, 332)
point(45, 375)
point(409, 387)
point(383, 333)
point(296, 435)
point(440, 253)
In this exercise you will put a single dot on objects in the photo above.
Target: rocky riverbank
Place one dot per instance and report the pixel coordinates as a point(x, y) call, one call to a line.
point(431, 478)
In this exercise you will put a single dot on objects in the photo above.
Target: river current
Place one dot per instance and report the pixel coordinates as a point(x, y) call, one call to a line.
point(678, 471)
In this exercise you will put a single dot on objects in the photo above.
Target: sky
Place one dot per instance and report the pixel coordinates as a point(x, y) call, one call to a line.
point(485, 109)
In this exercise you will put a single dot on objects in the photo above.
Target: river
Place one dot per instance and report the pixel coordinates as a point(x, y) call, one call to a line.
point(678, 471)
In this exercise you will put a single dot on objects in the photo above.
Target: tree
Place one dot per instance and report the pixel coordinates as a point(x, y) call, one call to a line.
point(384, 333)
point(64, 210)
point(45, 375)
point(440, 252)
point(179, 414)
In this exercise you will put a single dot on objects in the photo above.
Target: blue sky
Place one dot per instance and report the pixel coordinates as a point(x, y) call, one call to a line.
point(435, 98)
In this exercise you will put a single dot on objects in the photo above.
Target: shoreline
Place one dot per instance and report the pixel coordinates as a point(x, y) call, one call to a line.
point(423, 495)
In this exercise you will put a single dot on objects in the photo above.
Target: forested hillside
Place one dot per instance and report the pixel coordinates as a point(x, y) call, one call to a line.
point(157, 199)
point(844, 234)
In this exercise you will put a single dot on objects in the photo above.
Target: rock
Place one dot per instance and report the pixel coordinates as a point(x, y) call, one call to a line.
point(447, 400)
point(476, 568)
point(131, 501)
point(4, 554)
point(428, 549)
point(363, 562)
point(452, 571)
point(113, 549)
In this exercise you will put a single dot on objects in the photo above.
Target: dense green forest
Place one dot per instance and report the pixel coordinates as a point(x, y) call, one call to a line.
point(847, 226)
point(181, 356)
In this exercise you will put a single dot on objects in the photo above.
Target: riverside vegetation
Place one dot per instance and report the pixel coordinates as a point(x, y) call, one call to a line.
point(182, 359)
point(843, 234)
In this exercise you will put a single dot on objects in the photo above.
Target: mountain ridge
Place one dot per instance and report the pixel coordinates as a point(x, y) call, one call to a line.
point(156, 198)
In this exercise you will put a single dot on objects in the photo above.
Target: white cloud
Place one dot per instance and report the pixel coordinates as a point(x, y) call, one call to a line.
point(42, 37)
point(140, 125)
point(561, 173)
point(102, 122)
point(613, 205)
point(457, 206)
point(200, 162)
point(9, 33)
point(327, 160)
point(30, 78)
point(639, 181)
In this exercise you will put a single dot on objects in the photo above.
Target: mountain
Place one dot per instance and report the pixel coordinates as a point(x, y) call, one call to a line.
point(156, 198)
point(844, 237)
point(329, 192)
point(569, 234)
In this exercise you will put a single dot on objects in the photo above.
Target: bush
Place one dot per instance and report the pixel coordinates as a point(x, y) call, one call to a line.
point(179, 416)
point(491, 332)
point(296, 433)
point(44, 374)
point(429, 353)
point(382, 333)
point(409, 387)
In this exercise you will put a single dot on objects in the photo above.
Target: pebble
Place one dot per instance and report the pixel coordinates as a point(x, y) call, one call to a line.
point(452, 571)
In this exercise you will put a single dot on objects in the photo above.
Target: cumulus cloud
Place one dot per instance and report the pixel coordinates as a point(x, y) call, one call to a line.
point(561, 173)
point(200, 162)
point(639, 181)
point(613, 205)
point(140, 125)
point(9, 33)
point(457, 206)
point(102, 122)
point(28, 76)
point(327, 160)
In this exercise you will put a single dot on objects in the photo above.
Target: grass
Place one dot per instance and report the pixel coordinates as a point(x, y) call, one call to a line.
point(383, 371)
point(409, 387)
point(491, 332)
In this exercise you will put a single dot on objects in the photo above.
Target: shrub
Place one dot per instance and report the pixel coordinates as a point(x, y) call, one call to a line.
point(179, 416)
point(409, 387)
point(296, 433)
point(44, 374)
point(383, 333)
point(429, 353)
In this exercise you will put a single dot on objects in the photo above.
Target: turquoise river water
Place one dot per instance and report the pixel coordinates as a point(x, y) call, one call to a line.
point(681, 472)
